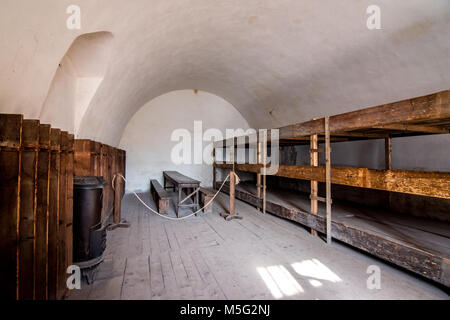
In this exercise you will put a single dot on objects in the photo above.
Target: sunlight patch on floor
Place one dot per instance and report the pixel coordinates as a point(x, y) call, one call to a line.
point(279, 281)
point(313, 268)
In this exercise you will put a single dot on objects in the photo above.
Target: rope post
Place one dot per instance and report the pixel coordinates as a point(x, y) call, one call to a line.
point(118, 186)
point(232, 214)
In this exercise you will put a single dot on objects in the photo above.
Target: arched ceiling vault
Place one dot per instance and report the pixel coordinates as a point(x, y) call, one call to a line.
point(277, 61)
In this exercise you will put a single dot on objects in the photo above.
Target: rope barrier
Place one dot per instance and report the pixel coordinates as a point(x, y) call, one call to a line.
point(166, 217)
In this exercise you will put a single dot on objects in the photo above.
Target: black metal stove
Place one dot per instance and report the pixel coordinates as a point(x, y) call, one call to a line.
point(89, 235)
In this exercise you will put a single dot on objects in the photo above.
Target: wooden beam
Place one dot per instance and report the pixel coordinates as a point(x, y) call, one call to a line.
point(425, 183)
point(429, 107)
point(360, 135)
point(413, 128)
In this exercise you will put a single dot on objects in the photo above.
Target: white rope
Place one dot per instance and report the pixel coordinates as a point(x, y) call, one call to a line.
point(166, 217)
point(190, 195)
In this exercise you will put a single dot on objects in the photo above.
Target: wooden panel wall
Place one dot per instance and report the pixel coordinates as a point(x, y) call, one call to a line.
point(36, 188)
point(92, 158)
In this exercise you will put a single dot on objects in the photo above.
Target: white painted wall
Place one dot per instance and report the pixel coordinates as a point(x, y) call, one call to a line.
point(147, 136)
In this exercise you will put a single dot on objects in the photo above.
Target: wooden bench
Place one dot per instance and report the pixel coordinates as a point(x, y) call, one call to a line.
point(160, 196)
point(205, 197)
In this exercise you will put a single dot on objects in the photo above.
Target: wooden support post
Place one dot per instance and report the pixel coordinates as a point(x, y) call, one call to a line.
point(232, 192)
point(328, 176)
point(232, 214)
point(314, 161)
point(388, 162)
point(388, 153)
point(258, 175)
point(264, 149)
point(214, 167)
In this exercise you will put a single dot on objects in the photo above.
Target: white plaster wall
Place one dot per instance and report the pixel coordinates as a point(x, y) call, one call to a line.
point(147, 136)
point(277, 61)
point(427, 153)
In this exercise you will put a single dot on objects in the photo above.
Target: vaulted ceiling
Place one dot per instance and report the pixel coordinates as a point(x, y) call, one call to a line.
point(277, 61)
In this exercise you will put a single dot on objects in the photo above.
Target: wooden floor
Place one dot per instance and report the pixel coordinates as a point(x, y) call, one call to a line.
point(259, 257)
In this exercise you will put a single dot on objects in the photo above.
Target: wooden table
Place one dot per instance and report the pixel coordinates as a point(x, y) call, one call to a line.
point(176, 180)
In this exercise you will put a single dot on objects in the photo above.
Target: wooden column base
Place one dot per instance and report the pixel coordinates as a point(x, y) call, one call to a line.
point(229, 217)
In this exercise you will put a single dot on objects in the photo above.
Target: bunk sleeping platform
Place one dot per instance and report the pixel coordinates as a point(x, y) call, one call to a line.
point(415, 242)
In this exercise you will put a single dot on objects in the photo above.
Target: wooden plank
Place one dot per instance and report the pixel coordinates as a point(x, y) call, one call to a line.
point(314, 161)
point(429, 107)
point(86, 157)
point(69, 201)
point(62, 250)
point(42, 196)
point(413, 128)
point(10, 157)
point(53, 213)
point(426, 183)
point(28, 204)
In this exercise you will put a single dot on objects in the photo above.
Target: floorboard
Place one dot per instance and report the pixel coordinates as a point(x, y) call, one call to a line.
point(259, 257)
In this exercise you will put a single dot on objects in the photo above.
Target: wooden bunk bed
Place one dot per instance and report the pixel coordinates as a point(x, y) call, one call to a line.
point(418, 116)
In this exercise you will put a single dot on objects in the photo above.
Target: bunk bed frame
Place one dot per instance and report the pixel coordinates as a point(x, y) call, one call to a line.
point(412, 117)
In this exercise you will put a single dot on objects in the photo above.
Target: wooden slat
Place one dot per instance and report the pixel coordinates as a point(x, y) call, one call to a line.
point(43, 188)
point(429, 107)
point(62, 250)
point(10, 157)
point(426, 183)
point(53, 213)
point(69, 200)
point(28, 205)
